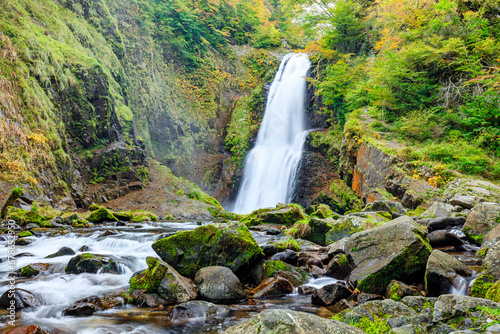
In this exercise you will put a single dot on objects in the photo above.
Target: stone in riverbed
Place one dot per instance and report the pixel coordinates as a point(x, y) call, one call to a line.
point(228, 245)
point(330, 294)
point(273, 286)
point(196, 309)
point(87, 306)
point(396, 250)
point(22, 299)
point(163, 281)
point(482, 219)
point(438, 209)
point(338, 267)
point(90, 263)
point(441, 271)
point(283, 214)
point(219, 284)
point(102, 215)
point(61, 252)
point(290, 322)
point(288, 256)
point(443, 239)
point(80, 310)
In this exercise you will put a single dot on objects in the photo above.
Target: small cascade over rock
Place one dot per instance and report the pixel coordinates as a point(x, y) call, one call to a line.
point(271, 166)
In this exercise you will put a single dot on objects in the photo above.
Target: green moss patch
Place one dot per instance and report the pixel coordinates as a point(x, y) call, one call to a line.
point(231, 246)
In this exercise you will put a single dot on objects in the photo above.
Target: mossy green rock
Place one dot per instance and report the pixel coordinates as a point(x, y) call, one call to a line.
point(282, 214)
point(354, 222)
point(493, 292)
point(491, 263)
point(272, 268)
point(228, 245)
point(123, 216)
point(25, 234)
point(320, 211)
point(90, 263)
point(481, 285)
point(287, 322)
point(319, 229)
point(164, 280)
point(102, 215)
point(29, 271)
point(482, 219)
point(396, 250)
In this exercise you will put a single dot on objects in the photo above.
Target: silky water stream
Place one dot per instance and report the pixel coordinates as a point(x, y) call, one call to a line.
point(57, 290)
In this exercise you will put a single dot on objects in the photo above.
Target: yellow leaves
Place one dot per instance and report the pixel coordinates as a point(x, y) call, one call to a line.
point(37, 138)
point(318, 49)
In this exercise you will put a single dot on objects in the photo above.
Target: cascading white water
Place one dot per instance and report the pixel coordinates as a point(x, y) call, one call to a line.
point(271, 166)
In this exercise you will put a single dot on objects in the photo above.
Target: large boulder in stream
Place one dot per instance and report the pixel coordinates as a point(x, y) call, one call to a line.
point(162, 281)
point(285, 214)
point(354, 222)
point(482, 219)
point(228, 245)
point(218, 284)
point(91, 263)
point(196, 309)
point(290, 322)
point(442, 272)
point(396, 250)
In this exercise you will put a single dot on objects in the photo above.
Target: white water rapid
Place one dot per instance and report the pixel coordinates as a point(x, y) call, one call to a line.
point(271, 166)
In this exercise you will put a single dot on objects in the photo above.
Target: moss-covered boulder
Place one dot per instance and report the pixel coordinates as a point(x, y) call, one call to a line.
point(287, 321)
point(228, 245)
point(493, 292)
point(441, 271)
point(482, 219)
point(283, 214)
point(481, 285)
point(25, 234)
point(90, 263)
point(387, 206)
point(161, 279)
point(102, 215)
point(396, 250)
point(355, 222)
point(29, 271)
point(273, 268)
point(320, 211)
point(16, 193)
point(318, 230)
point(123, 215)
point(491, 263)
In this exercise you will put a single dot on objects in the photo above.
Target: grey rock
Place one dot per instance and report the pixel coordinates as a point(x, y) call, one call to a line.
point(493, 329)
point(337, 247)
point(196, 309)
point(407, 329)
point(418, 302)
point(451, 306)
point(482, 219)
point(465, 201)
point(441, 271)
point(329, 294)
point(492, 261)
point(438, 209)
point(290, 322)
point(219, 284)
point(393, 250)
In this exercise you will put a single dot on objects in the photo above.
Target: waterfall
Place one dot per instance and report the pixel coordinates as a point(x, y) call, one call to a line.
point(271, 166)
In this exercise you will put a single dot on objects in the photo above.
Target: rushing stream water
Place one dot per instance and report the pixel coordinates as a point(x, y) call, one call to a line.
point(58, 290)
point(271, 166)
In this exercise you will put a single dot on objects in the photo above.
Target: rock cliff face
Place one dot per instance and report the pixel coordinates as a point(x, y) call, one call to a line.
point(91, 92)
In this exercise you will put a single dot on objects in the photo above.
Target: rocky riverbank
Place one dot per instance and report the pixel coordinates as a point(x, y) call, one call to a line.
point(381, 269)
